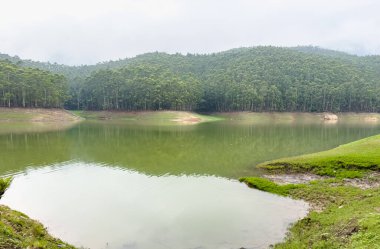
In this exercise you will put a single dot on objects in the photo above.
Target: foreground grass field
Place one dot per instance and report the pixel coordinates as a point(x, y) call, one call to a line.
point(343, 215)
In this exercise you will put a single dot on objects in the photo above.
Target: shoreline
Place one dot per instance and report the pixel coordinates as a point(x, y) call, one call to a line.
point(19, 120)
point(20, 231)
point(344, 195)
point(332, 182)
point(17, 230)
point(180, 117)
point(37, 115)
point(162, 117)
point(371, 180)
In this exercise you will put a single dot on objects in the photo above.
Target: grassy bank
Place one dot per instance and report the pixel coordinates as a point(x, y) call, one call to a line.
point(349, 160)
point(36, 115)
point(252, 118)
point(148, 117)
point(19, 120)
point(19, 231)
point(344, 214)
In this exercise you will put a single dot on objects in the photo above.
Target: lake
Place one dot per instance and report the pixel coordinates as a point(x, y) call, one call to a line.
point(123, 185)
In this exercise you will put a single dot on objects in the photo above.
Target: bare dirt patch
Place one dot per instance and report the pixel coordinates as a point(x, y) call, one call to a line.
point(372, 180)
point(187, 120)
point(283, 179)
point(20, 120)
point(371, 119)
point(54, 115)
point(146, 117)
point(330, 116)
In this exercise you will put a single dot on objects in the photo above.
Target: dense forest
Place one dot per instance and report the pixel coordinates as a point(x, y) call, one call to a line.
point(137, 87)
point(305, 79)
point(31, 87)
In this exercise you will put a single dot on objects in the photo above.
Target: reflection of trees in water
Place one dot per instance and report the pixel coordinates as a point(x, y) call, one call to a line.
point(212, 148)
point(20, 151)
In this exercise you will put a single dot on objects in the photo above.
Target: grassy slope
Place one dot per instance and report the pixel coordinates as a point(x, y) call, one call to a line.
point(148, 117)
point(343, 216)
point(19, 231)
point(19, 120)
point(35, 115)
point(348, 160)
point(292, 118)
point(350, 217)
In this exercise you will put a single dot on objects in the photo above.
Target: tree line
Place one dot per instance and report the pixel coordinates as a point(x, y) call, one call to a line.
point(138, 87)
point(304, 79)
point(31, 87)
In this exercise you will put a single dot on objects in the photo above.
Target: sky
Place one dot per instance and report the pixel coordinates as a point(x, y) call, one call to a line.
point(76, 32)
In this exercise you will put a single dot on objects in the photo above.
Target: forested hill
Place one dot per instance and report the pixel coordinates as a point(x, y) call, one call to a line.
point(70, 72)
point(31, 87)
point(244, 79)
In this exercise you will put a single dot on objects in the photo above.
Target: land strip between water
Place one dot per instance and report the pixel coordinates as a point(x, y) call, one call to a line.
point(343, 187)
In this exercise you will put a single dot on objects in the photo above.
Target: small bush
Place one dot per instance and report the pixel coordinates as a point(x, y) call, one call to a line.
point(4, 185)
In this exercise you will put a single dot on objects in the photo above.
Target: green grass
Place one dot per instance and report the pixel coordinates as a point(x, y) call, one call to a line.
point(343, 216)
point(346, 161)
point(350, 216)
point(256, 118)
point(269, 186)
point(15, 116)
point(24, 120)
point(4, 185)
point(19, 231)
point(148, 117)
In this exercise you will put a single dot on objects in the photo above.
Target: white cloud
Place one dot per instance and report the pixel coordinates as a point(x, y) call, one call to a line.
point(77, 32)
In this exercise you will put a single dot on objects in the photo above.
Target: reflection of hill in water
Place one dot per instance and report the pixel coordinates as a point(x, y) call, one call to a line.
point(100, 207)
point(212, 148)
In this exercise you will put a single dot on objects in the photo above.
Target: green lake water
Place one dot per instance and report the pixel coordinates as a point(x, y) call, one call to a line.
point(120, 185)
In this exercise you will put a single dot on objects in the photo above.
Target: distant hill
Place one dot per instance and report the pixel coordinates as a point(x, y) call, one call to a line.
point(153, 57)
point(31, 87)
point(69, 71)
point(323, 51)
point(264, 78)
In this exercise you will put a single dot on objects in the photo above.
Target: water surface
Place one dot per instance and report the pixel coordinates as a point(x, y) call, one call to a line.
point(226, 149)
point(100, 207)
point(118, 185)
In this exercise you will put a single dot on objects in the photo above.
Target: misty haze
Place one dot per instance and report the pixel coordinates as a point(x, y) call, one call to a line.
point(189, 124)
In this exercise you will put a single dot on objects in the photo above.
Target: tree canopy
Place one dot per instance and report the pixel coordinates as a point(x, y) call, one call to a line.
point(245, 79)
point(137, 87)
point(31, 87)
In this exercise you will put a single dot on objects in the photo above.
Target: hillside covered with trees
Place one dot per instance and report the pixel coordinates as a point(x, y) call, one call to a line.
point(304, 79)
point(31, 87)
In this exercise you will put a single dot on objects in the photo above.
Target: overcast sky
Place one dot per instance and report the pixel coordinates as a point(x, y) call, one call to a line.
point(91, 31)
